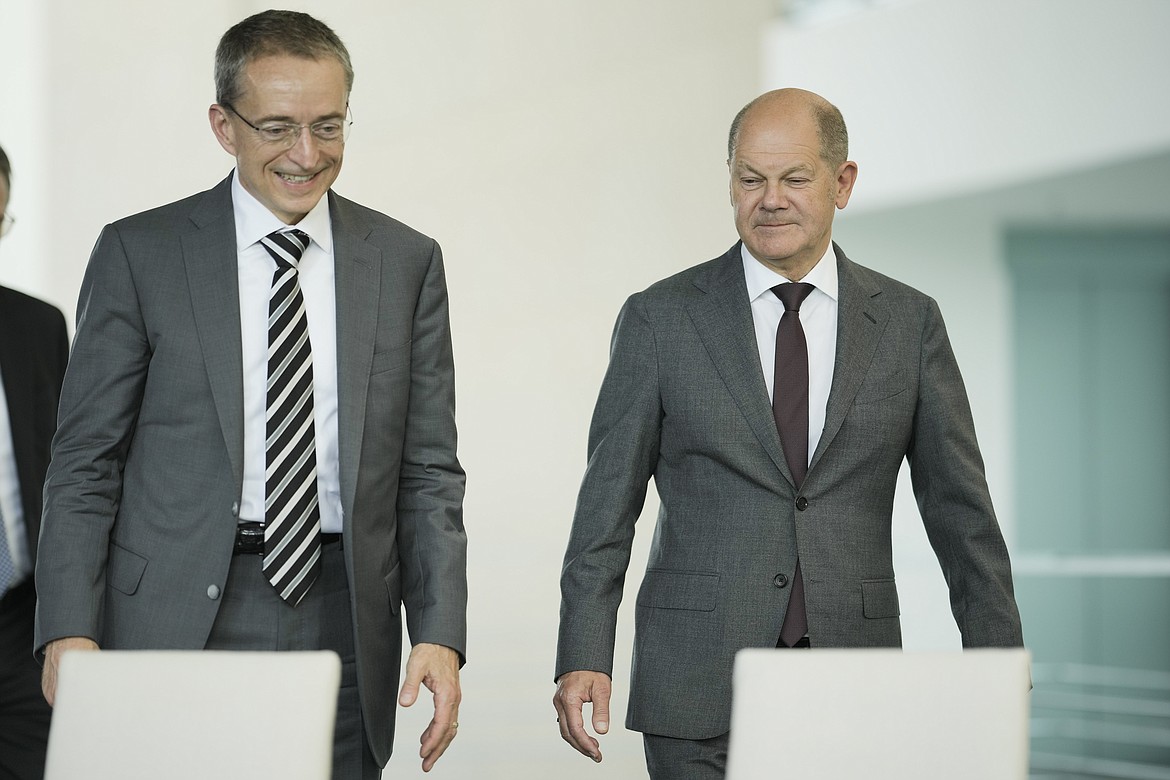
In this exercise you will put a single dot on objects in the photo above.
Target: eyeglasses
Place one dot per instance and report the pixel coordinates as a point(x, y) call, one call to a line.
point(6, 223)
point(286, 134)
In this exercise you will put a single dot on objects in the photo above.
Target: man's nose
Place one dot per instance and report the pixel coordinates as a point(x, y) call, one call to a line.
point(774, 197)
point(305, 149)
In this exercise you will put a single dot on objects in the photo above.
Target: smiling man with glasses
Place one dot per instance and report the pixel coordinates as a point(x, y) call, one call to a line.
point(257, 441)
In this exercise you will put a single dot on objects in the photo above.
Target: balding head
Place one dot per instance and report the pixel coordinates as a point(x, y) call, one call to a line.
point(5, 170)
point(788, 105)
point(789, 175)
point(5, 185)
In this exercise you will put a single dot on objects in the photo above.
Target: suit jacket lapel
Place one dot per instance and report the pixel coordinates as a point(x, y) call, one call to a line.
point(861, 318)
point(14, 360)
point(210, 258)
point(723, 319)
point(357, 270)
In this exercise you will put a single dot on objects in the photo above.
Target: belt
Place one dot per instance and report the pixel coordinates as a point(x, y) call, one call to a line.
point(250, 539)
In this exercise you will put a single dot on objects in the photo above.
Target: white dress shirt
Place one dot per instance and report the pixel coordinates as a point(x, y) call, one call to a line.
point(818, 317)
point(11, 504)
point(256, 268)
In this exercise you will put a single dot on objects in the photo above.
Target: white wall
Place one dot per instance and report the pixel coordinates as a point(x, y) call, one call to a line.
point(565, 154)
point(24, 102)
point(944, 97)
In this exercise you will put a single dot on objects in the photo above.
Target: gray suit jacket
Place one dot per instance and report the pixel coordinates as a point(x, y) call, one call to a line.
point(145, 482)
point(684, 402)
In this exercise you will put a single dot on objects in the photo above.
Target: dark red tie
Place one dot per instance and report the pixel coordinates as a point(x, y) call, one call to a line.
point(790, 408)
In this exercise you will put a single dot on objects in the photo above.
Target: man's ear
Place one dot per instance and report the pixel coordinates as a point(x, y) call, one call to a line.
point(846, 178)
point(222, 127)
point(730, 184)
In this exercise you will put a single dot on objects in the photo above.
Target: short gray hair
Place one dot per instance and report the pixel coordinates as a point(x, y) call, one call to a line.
point(269, 33)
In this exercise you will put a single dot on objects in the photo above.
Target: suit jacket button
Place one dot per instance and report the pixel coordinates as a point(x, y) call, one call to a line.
point(213, 592)
point(780, 580)
point(236, 509)
point(802, 503)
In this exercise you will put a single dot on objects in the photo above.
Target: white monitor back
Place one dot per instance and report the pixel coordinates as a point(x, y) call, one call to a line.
point(194, 715)
point(880, 714)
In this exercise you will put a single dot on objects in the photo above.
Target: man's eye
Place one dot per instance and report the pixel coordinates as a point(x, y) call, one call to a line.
point(749, 182)
point(327, 130)
point(275, 132)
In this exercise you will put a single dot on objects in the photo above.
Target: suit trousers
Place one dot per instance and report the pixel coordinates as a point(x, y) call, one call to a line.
point(253, 617)
point(668, 758)
point(24, 714)
point(693, 759)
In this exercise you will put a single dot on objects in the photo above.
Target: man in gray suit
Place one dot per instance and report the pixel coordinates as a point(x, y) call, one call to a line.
point(774, 528)
point(189, 504)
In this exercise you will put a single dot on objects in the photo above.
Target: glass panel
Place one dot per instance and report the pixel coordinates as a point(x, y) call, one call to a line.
point(1092, 368)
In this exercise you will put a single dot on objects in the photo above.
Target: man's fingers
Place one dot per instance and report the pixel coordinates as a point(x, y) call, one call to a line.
point(409, 693)
point(435, 741)
point(411, 681)
point(572, 726)
point(442, 728)
point(573, 690)
point(581, 739)
point(601, 707)
point(53, 652)
point(437, 668)
point(49, 681)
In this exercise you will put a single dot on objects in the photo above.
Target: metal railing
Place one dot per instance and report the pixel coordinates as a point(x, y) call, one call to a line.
point(1099, 722)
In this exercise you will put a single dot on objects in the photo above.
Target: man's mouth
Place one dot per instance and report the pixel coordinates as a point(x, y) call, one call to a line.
point(295, 179)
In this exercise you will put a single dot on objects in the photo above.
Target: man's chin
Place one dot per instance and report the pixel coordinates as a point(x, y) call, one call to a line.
point(293, 210)
point(771, 252)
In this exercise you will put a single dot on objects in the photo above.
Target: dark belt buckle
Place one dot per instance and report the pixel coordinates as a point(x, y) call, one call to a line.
point(249, 539)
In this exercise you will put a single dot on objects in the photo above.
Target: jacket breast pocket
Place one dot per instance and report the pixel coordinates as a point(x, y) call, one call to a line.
point(876, 389)
point(125, 570)
point(668, 589)
point(879, 599)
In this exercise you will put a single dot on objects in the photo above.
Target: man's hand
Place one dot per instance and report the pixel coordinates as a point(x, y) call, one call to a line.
point(573, 690)
point(53, 652)
point(436, 667)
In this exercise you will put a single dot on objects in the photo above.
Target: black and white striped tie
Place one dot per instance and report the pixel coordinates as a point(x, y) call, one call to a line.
point(292, 517)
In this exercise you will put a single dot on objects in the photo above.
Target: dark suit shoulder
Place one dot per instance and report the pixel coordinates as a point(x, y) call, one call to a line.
point(872, 283)
point(884, 282)
point(375, 226)
point(170, 216)
point(33, 312)
point(696, 280)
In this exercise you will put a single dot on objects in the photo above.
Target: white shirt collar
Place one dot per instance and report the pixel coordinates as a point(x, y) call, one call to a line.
point(254, 221)
point(761, 279)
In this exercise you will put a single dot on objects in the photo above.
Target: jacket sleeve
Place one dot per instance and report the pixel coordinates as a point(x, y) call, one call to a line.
point(100, 400)
point(623, 450)
point(949, 484)
point(431, 483)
